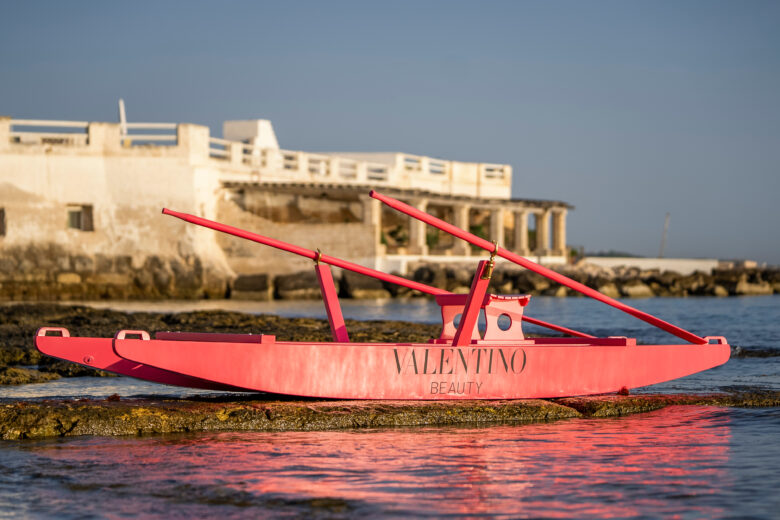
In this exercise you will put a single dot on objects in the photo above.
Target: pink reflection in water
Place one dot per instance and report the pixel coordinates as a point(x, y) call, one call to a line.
point(661, 463)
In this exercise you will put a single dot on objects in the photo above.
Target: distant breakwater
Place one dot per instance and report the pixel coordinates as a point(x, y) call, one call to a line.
point(52, 274)
point(617, 283)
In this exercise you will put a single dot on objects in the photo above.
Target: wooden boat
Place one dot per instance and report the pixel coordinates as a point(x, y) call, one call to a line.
point(460, 364)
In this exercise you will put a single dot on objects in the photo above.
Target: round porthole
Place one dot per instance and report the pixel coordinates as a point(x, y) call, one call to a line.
point(456, 320)
point(504, 322)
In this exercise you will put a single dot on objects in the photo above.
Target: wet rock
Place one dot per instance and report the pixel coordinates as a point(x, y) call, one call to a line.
point(528, 282)
point(162, 280)
point(123, 264)
point(18, 355)
point(252, 287)
point(557, 291)
point(636, 289)
point(719, 290)
point(659, 290)
point(83, 263)
point(617, 405)
point(144, 281)
point(606, 286)
point(68, 278)
point(298, 286)
point(23, 376)
point(104, 263)
point(30, 420)
point(358, 286)
point(186, 278)
point(397, 291)
point(462, 276)
point(695, 284)
point(429, 274)
point(26, 420)
point(745, 288)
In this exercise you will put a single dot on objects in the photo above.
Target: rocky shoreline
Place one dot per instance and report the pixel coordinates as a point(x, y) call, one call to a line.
point(50, 273)
point(619, 282)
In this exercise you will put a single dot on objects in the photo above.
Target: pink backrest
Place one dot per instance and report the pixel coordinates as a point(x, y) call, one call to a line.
point(494, 306)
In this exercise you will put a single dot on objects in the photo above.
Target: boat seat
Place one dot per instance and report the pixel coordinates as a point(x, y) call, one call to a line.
point(494, 306)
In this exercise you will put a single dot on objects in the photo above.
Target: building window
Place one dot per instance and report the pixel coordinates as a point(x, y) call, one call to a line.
point(80, 217)
point(2, 222)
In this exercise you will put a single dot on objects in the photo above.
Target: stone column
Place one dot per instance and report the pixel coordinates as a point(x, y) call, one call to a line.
point(193, 142)
point(417, 242)
point(460, 214)
point(5, 132)
point(235, 153)
point(497, 226)
point(103, 137)
point(521, 232)
point(372, 216)
point(559, 232)
point(542, 233)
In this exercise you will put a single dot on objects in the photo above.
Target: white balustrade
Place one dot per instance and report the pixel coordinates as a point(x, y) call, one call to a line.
point(405, 171)
point(437, 167)
point(493, 171)
point(219, 148)
point(39, 131)
point(141, 135)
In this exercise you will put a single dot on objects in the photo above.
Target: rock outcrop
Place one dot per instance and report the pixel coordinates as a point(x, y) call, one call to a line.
point(51, 273)
point(116, 416)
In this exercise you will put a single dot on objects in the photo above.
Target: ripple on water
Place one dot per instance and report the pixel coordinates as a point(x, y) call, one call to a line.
point(689, 461)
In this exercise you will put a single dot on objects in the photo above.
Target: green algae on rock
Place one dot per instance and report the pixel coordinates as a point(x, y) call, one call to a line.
point(23, 376)
point(32, 420)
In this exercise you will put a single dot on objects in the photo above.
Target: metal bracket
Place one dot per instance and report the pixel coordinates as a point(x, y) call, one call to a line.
point(491, 263)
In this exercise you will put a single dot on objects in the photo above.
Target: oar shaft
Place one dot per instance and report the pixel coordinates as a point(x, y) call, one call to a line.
point(532, 266)
point(343, 264)
point(308, 253)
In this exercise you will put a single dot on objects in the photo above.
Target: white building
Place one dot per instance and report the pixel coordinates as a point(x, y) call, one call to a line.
point(80, 204)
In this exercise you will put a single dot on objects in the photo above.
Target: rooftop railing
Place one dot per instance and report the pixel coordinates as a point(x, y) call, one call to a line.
point(135, 134)
point(247, 160)
point(41, 131)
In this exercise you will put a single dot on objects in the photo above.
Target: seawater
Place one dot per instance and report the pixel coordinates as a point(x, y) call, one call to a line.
point(686, 462)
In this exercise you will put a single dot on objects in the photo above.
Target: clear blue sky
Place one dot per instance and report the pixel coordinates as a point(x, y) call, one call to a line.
point(627, 110)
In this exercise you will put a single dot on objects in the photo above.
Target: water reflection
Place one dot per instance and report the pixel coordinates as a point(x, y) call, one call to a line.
point(665, 463)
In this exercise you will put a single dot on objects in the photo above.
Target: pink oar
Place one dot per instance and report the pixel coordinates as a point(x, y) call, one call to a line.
point(532, 266)
point(343, 264)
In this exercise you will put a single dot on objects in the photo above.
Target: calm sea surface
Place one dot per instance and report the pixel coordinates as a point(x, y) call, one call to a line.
point(686, 462)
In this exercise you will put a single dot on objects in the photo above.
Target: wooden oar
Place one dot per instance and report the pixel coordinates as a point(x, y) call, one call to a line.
point(343, 264)
point(532, 266)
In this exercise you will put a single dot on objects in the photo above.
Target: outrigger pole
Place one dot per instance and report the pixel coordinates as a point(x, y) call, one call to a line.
point(343, 264)
point(532, 266)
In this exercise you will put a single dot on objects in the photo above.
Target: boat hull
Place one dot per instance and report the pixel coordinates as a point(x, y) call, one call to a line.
point(484, 370)
point(99, 353)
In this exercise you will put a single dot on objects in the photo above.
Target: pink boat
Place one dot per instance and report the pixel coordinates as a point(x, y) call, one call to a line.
point(461, 363)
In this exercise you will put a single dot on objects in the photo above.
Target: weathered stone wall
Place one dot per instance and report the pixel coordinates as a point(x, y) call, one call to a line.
point(50, 272)
point(132, 251)
point(352, 241)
